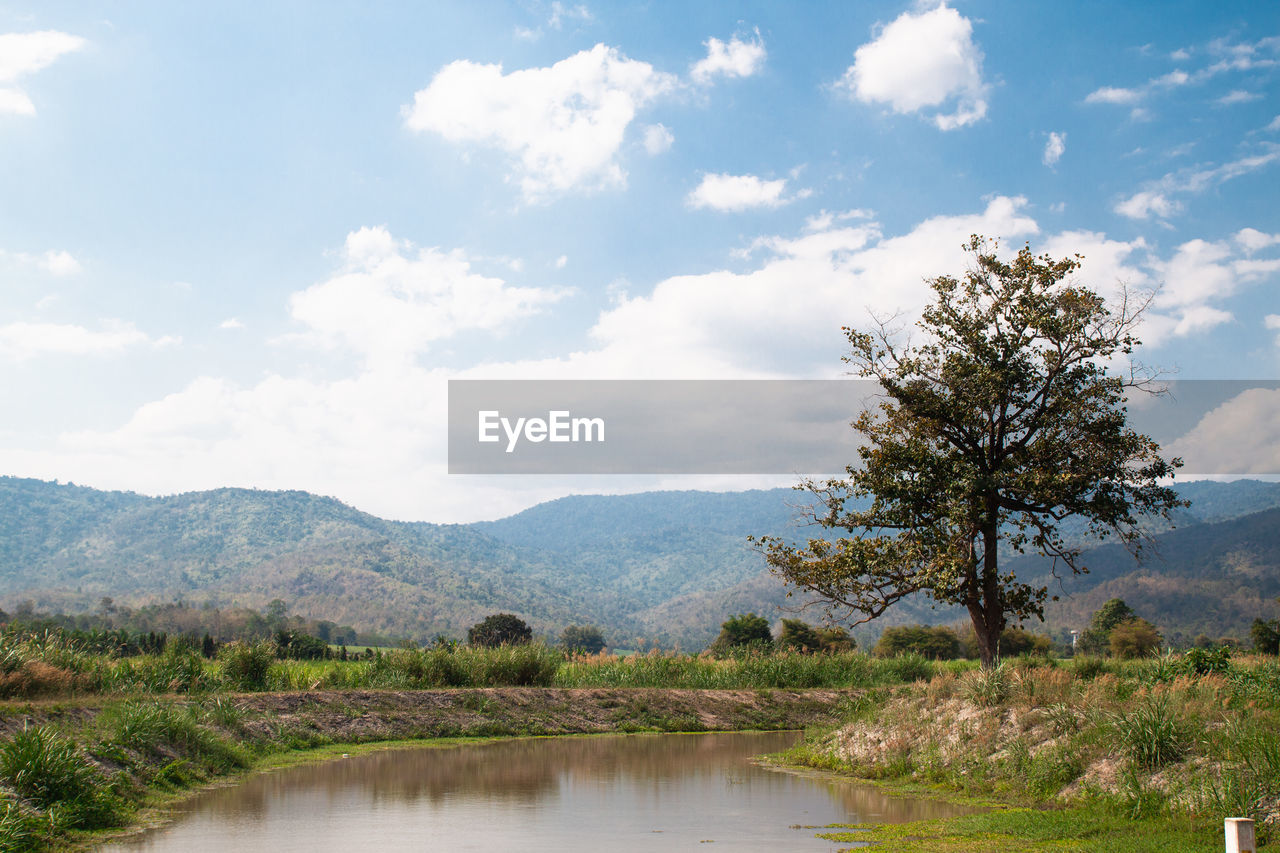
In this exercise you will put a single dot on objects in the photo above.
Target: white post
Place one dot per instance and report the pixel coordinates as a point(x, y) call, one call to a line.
point(1239, 831)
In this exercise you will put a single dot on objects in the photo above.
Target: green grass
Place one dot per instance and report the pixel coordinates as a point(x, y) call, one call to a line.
point(1088, 827)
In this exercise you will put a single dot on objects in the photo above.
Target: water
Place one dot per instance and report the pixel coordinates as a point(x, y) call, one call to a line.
point(616, 793)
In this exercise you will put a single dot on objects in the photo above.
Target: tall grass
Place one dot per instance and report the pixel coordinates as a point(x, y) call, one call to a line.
point(49, 771)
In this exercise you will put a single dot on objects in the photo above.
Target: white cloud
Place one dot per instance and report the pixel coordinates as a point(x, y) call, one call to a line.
point(25, 53)
point(560, 13)
point(1238, 96)
point(922, 61)
point(737, 58)
point(1155, 198)
point(56, 262)
point(59, 263)
point(1274, 124)
point(657, 139)
point(563, 124)
point(1113, 95)
point(1242, 436)
point(1141, 205)
point(21, 341)
point(736, 193)
point(1054, 148)
point(562, 261)
point(390, 303)
point(231, 323)
point(1252, 240)
point(1238, 57)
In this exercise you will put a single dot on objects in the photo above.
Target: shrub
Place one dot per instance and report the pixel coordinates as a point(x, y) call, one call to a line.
point(499, 629)
point(742, 631)
point(1265, 637)
point(582, 639)
point(987, 687)
point(48, 770)
point(935, 643)
point(799, 636)
point(1198, 661)
point(834, 640)
point(1134, 638)
point(1151, 734)
point(245, 665)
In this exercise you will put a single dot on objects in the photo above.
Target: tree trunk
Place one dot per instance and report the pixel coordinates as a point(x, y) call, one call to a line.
point(988, 614)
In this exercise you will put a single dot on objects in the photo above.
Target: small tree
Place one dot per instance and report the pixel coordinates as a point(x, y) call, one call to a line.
point(1265, 637)
point(999, 424)
point(938, 642)
point(499, 629)
point(743, 630)
point(1096, 639)
point(799, 636)
point(835, 639)
point(1134, 638)
point(584, 639)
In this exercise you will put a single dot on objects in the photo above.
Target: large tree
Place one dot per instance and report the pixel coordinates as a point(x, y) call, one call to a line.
point(999, 423)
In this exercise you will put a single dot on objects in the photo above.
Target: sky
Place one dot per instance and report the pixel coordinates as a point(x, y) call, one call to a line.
point(249, 244)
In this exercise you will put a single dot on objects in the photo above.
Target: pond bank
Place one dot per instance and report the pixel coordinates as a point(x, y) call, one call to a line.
point(120, 759)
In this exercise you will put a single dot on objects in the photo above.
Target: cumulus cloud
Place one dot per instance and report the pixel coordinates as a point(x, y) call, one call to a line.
point(56, 262)
point(1054, 148)
point(657, 139)
point(562, 124)
point(390, 302)
point(1252, 240)
point(737, 58)
point(231, 323)
point(26, 53)
point(1242, 436)
point(737, 193)
point(21, 341)
point(921, 62)
point(1142, 205)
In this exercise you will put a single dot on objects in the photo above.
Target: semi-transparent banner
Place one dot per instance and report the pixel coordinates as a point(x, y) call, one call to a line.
point(1227, 427)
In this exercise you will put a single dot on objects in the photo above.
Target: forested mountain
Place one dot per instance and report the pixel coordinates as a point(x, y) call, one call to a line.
point(663, 567)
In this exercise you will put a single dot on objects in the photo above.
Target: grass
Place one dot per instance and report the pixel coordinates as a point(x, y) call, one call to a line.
point(1149, 755)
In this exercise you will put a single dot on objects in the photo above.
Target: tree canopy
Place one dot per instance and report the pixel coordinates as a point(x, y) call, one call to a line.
point(499, 629)
point(1000, 423)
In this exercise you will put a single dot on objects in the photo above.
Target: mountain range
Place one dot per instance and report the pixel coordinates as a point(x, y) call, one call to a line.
point(657, 567)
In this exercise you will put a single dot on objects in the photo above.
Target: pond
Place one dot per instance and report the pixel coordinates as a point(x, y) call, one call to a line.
point(618, 793)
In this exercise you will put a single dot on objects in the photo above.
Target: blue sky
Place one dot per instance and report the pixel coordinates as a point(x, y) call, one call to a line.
point(249, 244)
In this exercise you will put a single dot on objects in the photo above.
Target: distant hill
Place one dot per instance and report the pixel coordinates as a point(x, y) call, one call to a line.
point(663, 567)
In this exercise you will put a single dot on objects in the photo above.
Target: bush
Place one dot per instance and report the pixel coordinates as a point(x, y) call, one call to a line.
point(48, 770)
point(743, 631)
point(245, 665)
point(1151, 734)
point(1265, 636)
point(936, 643)
point(799, 636)
point(835, 640)
point(582, 639)
point(499, 629)
point(1198, 661)
point(1134, 638)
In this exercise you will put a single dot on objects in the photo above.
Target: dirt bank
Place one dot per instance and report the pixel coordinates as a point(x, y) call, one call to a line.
point(362, 715)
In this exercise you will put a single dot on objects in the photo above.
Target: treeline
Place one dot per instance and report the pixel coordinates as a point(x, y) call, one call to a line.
point(121, 630)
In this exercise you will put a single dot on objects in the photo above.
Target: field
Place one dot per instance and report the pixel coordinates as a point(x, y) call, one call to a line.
point(90, 741)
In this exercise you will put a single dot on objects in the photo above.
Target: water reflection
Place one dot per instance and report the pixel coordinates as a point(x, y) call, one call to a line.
point(636, 792)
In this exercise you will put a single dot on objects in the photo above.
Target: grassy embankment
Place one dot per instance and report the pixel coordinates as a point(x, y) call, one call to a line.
point(1085, 755)
point(89, 742)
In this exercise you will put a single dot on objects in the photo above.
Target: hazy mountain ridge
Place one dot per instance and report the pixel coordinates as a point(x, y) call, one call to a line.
point(663, 566)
